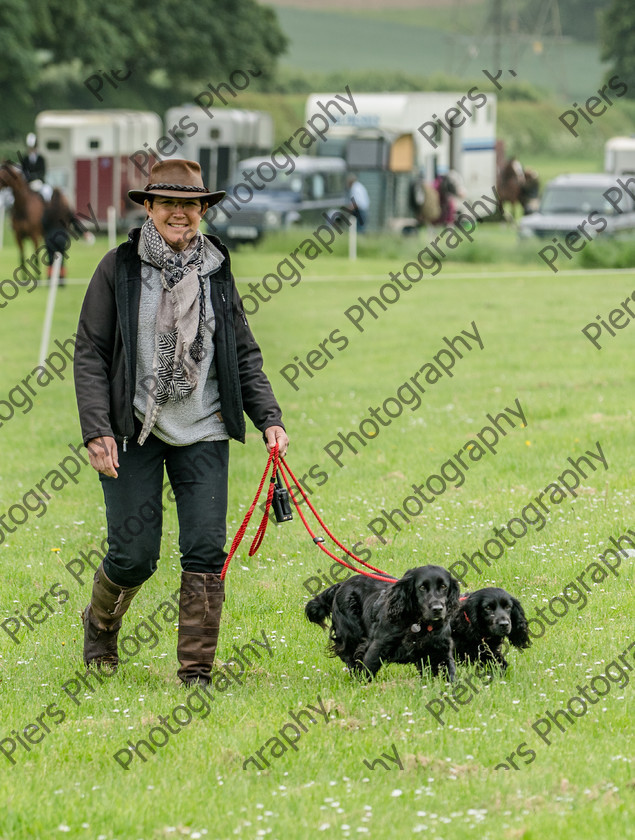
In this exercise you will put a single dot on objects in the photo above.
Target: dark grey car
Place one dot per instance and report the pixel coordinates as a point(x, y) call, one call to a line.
point(301, 194)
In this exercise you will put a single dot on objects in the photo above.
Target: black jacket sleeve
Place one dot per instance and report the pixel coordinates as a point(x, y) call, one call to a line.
point(258, 398)
point(93, 366)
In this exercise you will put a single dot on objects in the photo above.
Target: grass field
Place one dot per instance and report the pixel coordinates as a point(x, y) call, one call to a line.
point(59, 776)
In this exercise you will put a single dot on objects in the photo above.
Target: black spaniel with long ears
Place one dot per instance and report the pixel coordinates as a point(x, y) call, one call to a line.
point(485, 619)
point(406, 622)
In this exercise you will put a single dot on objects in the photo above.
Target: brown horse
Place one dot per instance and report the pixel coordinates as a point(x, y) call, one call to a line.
point(33, 218)
point(27, 210)
point(517, 186)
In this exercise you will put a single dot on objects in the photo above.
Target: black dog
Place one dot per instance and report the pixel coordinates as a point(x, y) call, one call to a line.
point(485, 618)
point(406, 622)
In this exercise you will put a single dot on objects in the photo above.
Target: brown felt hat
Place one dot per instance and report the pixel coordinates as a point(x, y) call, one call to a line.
point(176, 179)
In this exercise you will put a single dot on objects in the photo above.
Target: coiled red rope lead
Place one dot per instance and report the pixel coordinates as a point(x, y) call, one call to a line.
point(319, 541)
point(281, 465)
point(255, 545)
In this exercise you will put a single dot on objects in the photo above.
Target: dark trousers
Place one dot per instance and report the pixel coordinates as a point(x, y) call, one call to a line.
point(361, 216)
point(134, 507)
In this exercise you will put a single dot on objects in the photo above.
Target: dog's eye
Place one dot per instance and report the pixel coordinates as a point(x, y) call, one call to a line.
point(443, 586)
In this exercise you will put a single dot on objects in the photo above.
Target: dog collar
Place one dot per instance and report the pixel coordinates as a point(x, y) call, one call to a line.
point(416, 628)
point(461, 599)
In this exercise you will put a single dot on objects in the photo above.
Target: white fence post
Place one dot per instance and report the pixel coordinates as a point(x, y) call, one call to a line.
point(112, 227)
point(50, 305)
point(352, 239)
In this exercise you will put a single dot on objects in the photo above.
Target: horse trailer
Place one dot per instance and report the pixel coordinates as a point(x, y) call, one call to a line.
point(218, 142)
point(88, 156)
point(619, 156)
point(95, 157)
point(450, 131)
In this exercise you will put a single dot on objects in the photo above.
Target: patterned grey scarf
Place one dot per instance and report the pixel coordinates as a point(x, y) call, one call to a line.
point(180, 320)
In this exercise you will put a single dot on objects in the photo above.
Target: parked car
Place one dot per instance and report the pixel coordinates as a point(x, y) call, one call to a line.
point(587, 204)
point(317, 185)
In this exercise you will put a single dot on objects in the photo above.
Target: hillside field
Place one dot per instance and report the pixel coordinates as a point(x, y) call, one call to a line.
point(449, 38)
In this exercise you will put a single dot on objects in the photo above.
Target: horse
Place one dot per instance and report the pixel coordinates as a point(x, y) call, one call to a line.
point(33, 218)
point(517, 186)
point(27, 210)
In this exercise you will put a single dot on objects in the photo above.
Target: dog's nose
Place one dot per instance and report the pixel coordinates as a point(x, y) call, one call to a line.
point(437, 609)
point(504, 624)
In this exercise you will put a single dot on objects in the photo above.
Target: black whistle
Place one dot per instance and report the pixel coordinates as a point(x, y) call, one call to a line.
point(280, 502)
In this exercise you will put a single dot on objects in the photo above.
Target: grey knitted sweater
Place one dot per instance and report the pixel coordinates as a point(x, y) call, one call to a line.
point(197, 417)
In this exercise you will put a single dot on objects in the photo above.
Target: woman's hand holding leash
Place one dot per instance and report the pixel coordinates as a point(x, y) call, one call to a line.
point(277, 435)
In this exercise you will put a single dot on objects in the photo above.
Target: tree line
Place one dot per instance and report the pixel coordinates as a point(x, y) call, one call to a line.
point(49, 48)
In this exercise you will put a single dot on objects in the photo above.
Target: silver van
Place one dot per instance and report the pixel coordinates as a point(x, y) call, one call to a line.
point(586, 205)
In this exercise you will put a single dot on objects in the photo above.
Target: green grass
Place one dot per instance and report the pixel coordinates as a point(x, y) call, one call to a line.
point(573, 395)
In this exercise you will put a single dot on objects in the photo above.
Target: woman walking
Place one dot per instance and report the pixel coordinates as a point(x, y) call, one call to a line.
point(165, 366)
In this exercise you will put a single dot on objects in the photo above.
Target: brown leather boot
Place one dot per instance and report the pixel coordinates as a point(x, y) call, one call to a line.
point(102, 620)
point(200, 606)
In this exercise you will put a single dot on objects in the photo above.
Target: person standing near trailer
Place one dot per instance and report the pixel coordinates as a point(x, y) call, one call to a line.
point(358, 201)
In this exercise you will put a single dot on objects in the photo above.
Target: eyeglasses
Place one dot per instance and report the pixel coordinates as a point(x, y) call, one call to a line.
point(173, 203)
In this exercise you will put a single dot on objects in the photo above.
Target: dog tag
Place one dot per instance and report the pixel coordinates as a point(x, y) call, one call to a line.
point(416, 628)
